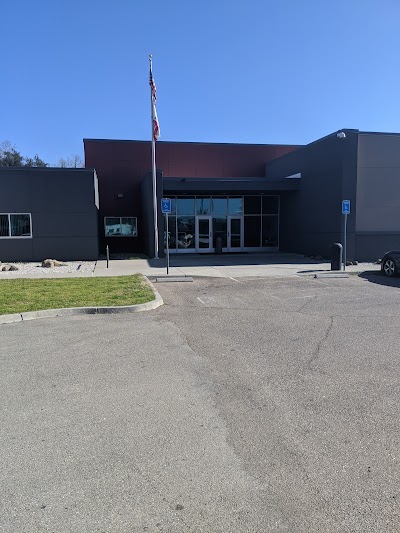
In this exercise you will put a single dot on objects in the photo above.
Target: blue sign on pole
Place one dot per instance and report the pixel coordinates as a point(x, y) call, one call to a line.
point(166, 205)
point(345, 207)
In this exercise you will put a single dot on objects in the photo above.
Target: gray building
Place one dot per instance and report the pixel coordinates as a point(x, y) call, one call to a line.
point(362, 167)
point(48, 213)
point(233, 198)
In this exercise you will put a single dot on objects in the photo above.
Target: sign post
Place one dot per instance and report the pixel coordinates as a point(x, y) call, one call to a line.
point(166, 209)
point(345, 212)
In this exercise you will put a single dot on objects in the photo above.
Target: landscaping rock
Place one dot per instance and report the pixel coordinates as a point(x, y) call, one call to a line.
point(7, 268)
point(50, 263)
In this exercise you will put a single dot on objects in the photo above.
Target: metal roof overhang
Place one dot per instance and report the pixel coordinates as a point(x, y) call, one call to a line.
point(229, 185)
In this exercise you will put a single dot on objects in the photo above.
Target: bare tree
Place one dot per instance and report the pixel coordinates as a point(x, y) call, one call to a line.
point(74, 161)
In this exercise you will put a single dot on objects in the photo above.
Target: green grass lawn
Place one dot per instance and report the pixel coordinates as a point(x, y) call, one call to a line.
point(20, 295)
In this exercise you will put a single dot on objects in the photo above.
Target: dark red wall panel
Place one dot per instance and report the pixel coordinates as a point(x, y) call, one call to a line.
point(121, 166)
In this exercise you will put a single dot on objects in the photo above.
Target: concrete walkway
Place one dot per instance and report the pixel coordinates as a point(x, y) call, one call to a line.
point(235, 265)
point(220, 266)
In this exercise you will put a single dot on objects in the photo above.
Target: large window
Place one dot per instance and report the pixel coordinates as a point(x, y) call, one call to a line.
point(186, 232)
point(120, 226)
point(256, 215)
point(15, 225)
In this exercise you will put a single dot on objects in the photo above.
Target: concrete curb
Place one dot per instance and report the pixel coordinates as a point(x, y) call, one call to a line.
point(70, 311)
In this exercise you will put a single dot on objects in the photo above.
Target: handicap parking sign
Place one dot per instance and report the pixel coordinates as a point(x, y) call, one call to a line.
point(346, 207)
point(166, 205)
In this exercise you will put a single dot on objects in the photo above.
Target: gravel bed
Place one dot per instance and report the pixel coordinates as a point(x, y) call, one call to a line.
point(69, 267)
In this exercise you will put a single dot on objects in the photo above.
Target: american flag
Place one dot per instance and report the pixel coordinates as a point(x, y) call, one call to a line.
point(153, 88)
point(156, 126)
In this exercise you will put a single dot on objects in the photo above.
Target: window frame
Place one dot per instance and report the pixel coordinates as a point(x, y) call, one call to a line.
point(120, 223)
point(9, 236)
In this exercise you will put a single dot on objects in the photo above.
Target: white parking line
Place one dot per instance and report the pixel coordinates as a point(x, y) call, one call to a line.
point(291, 298)
point(206, 300)
point(235, 280)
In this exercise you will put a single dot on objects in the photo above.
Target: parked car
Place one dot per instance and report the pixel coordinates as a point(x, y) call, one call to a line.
point(390, 264)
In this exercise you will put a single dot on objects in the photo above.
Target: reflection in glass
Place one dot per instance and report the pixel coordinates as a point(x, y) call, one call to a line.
point(204, 232)
point(235, 206)
point(113, 226)
point(186, 232)
point(185, 206)
point(128, 227)
point(203, 206)
point(252, 205)
point(270, 205)
point(252, 231)
point(219, 229)
point(219, 206)
point(4, 227)
point(171, 233)
point(269, 231)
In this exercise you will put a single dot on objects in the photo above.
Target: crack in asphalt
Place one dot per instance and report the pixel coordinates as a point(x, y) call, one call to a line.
point(316, 353)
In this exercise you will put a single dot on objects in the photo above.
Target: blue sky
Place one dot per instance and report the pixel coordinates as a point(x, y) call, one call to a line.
point(254, 71)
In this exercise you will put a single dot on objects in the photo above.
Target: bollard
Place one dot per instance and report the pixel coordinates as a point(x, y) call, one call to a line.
point(336, 256)
point(108, 255)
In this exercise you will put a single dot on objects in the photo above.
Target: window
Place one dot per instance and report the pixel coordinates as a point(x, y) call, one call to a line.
point(203, 205)
point(186, 232)
point(252, 205)
point(15, 225)
point(120, 226)
point(219, 206)
point(270, 205)
point(235, 205)
point(252, 231)
point(185, 205)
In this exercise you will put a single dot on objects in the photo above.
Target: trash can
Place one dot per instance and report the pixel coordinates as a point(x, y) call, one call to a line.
point(218, 245)
point(336, 256)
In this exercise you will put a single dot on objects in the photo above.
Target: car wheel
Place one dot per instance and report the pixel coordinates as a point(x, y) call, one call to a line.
point(389, 267)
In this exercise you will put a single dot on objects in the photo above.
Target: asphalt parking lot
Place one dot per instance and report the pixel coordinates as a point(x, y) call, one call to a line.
point(241, 405)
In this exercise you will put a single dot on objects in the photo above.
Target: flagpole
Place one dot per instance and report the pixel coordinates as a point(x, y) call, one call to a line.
point(153, 169)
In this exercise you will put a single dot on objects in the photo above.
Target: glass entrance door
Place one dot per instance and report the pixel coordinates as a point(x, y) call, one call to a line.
point(204, 234)
point(235, 234)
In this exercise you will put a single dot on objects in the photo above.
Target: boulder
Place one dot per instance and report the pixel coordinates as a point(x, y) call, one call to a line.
point(50, 263)
point(7, 268)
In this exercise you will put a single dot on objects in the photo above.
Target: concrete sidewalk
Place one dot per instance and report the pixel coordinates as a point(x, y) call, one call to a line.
point(220, 266)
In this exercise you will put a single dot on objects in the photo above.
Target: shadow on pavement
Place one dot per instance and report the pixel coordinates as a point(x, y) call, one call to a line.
point(380, 279)
point(245, 259)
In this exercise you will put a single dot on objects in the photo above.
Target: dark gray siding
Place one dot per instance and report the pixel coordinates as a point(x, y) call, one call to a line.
point(378, 195)
point(310, 219)
point(62, 203)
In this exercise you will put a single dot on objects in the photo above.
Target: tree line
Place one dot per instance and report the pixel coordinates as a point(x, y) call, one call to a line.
point(11, 157)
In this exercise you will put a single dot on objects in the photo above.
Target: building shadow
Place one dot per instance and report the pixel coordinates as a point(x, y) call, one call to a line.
point(232, 259)
point(380, 279)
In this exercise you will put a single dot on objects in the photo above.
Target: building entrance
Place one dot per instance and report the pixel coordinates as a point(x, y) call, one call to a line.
point(204, 234)
point(247, 223)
